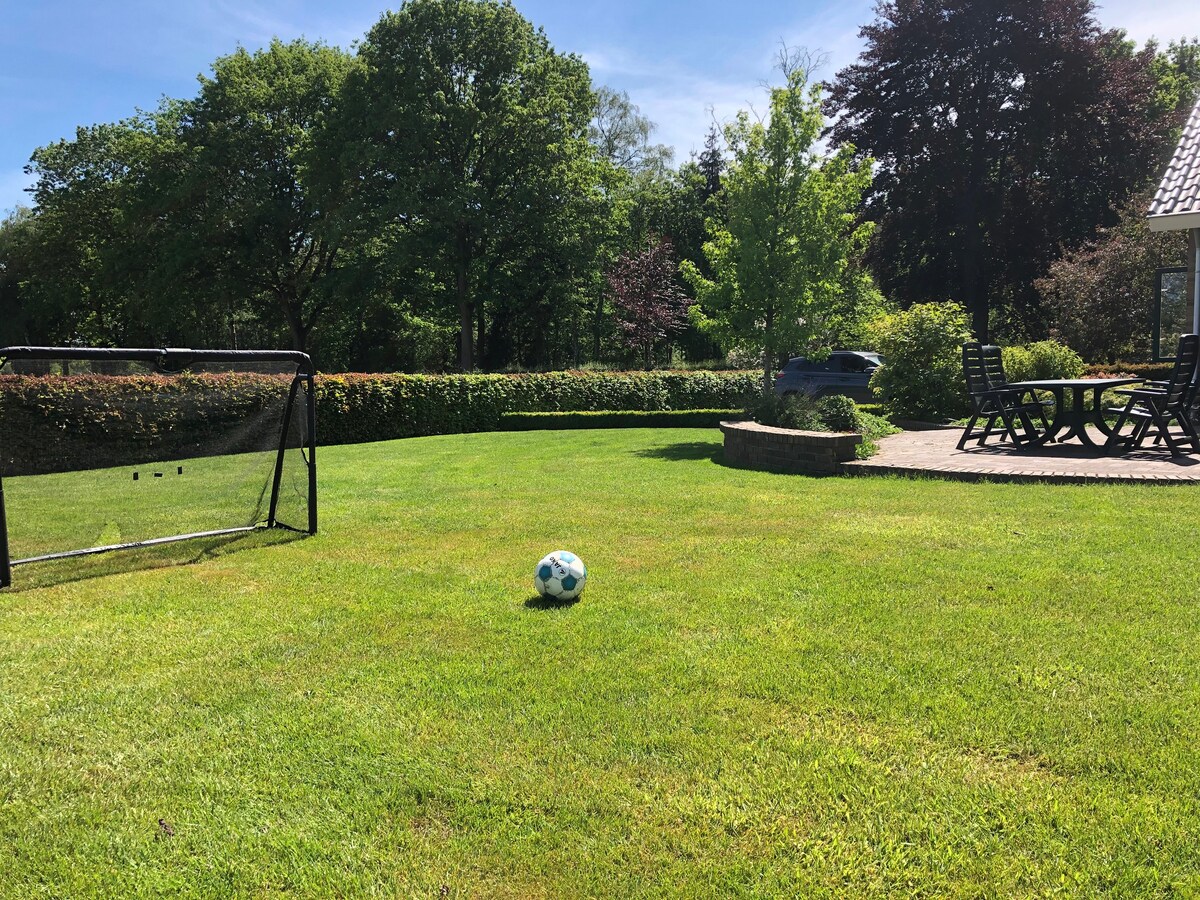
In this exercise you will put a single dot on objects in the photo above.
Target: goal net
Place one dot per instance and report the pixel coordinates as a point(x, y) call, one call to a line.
point(120, 449)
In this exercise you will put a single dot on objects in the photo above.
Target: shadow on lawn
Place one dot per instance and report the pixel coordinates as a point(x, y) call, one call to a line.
point(684, 451)
point(537, 601)
point(119, 562)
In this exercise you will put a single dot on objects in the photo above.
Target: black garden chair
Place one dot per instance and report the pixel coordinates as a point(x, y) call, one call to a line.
point(1154, 407)
point(994, 401)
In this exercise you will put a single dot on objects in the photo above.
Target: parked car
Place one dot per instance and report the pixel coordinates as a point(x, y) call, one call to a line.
point(844, 372)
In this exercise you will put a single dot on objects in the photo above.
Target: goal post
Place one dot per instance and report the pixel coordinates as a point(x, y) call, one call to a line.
point(106, 449)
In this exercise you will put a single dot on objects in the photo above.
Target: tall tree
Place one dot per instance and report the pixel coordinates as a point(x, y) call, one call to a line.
point(651, 306)
point(712, 162)
point(254, 211)
point(94, 248)
point(21, 315)
point(1004, 130)
point(622, 134)
point(474, 134)
point(783, 273)
point(1100, 296)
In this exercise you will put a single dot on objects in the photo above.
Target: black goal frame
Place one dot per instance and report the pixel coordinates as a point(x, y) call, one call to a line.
point(174, 360)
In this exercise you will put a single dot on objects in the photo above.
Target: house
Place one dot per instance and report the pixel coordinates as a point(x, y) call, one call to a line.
point(1176, 205)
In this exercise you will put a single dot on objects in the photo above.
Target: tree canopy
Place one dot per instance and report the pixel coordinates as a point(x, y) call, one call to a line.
point(1002, 131)
point(782, 263)
point(458, 193)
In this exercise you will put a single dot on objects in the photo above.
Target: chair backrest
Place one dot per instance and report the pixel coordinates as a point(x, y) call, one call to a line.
point(973, 368)
point(993, 367)
point(1181, 386)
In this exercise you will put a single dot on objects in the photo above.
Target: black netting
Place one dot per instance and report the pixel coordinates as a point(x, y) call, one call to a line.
point(102, 452)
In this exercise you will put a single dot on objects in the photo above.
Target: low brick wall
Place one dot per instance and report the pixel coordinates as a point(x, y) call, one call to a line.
point(757, 446)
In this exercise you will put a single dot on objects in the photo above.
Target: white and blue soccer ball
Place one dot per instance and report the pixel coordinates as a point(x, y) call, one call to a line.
point(560, 575)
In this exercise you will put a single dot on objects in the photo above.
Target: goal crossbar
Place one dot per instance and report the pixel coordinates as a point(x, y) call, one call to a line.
point(174, 360)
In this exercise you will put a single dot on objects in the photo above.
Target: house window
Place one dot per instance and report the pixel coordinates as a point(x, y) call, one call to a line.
point(1172, 311)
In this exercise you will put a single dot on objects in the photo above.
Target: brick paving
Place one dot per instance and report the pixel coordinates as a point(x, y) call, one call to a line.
point(933, 452)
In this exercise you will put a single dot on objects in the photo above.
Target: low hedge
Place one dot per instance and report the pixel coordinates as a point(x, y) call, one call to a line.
point(99, 421)
point(1154, 371)
point(675, 418)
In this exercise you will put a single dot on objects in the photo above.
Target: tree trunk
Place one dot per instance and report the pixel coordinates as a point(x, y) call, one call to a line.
point(292, 313)
point(481, 346)
point(597, 327)
point(466, 320)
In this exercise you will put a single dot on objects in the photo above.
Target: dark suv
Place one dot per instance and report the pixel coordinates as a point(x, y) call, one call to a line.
point(844, 372)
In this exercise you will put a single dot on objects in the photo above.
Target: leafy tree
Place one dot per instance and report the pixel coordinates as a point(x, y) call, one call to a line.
point(782, 263)
point(922, 377)
point(712, 162)
point(1100, 297)
point(651, 306)
point(473, 138)
point(94, 247)
point(19, 311)
point(621, 134)
point(1177, 70)
point(1003, 131)
point(253, 214)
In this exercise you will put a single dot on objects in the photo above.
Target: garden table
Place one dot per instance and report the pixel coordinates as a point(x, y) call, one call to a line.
point(1076, 418)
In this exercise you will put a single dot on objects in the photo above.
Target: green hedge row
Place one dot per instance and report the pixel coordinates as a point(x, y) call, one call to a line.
point(92, 421)
point(690, 418)
point(356, 408)
point(1155, 371)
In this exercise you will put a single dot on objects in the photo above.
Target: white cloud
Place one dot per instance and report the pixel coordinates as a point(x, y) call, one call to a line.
point(1166, 20)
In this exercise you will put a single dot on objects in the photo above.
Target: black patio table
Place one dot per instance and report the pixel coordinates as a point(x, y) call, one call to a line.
point(1074, 419)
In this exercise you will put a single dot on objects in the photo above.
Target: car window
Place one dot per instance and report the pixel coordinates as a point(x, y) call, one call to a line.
point(852, 362)
point(800, 364)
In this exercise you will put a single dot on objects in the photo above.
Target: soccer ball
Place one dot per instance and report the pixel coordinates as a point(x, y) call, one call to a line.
point(561, 575)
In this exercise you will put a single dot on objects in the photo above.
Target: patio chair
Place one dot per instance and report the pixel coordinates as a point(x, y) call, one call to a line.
point(993, 400)
point(1156, 406)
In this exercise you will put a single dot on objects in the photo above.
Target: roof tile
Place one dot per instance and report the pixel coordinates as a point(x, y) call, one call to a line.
point(1179, 193)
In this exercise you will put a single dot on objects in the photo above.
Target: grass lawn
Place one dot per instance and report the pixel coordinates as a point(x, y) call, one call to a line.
point(773, 686)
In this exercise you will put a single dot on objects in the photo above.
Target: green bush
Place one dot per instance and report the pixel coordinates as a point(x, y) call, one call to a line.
point(1153, 371)
point(100, 419)
point(839, 413)
point(922, 375)
point(1041, 360)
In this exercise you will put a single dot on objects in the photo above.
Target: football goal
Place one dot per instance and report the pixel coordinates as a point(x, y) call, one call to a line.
point(105, 450)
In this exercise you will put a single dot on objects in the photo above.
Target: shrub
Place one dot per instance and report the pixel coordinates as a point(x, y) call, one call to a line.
point(1154, 371)
point(1042, 360)
point(835, 412)
point(922, 374)
point(101, 414)
point(839, 413)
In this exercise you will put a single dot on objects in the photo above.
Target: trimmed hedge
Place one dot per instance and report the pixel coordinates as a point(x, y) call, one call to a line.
point(60, 424)
point(1154, 371)
point(97, 421)
point(688, 418)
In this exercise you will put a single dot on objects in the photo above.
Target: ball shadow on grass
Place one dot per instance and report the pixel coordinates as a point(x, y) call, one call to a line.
point(537, 601)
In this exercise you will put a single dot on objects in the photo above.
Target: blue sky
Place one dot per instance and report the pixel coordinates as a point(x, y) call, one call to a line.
point(65, 63)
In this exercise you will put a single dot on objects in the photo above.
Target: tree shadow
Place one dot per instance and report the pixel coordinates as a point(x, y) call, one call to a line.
point(537, 601)
point(119, 562)
point(685, 451)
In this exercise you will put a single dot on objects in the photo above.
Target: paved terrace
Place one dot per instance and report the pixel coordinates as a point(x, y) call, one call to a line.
point(933, 452)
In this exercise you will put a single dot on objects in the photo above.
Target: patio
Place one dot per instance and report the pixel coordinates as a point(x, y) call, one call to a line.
point(933, 452)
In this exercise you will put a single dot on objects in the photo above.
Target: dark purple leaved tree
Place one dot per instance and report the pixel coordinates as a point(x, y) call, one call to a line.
point(650, 304)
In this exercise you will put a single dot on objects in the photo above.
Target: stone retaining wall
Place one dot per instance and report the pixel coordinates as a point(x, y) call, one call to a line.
point(757, 446)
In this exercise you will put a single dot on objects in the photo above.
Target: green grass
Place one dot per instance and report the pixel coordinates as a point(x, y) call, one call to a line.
point(773, 686)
